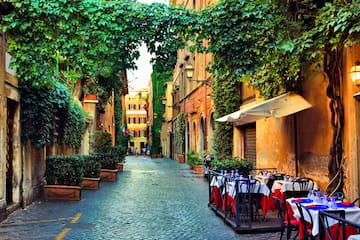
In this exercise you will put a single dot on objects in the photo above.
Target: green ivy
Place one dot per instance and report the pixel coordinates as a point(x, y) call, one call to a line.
point(40, 111)
point(75, 125)
point(180, 132)
point(159, 79)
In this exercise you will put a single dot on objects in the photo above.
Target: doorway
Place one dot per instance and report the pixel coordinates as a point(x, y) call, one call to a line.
point(11, 110)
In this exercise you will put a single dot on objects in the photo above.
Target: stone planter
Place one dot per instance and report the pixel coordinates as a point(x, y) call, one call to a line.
point(181, 158)
point(198, 169)
point(120, 166)
point(62, 192)
point(91, 183)
point(108, 175)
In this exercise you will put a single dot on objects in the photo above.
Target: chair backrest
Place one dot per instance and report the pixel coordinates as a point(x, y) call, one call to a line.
point(250, 186)
point(324, 226)
point(308, 224)
point(303, 184)
point(280, 207)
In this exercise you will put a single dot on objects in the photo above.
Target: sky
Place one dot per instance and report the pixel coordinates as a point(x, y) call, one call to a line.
point(140, 78)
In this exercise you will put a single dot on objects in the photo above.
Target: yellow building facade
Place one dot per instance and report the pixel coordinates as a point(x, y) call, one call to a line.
point(137, 120)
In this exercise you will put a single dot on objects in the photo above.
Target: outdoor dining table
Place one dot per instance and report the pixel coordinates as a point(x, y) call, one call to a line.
point(286, 185)
point(351, 211)
point(263, 178)
point(260, 188)
point(216, 184)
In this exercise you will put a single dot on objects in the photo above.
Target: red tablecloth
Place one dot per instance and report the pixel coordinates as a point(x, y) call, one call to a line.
point(215, 196)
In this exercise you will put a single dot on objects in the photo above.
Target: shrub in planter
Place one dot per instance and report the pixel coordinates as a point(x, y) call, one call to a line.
point(92, 166)
point(64, 170)
point(193, 159)
point(107, 160)
point(242, 165)
point(118, 153)
point(101, 142)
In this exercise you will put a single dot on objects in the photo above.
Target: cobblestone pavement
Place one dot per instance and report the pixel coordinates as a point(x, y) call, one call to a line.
point(151, 199)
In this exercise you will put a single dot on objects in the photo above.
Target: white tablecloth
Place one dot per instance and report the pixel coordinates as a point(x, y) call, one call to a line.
point(354, 237)
point(263, 179)
point(262, 188)
point(217, 181)
point(351, 213)
point(288, 186)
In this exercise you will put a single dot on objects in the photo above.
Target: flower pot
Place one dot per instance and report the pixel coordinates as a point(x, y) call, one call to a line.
point(90, 183)
point(90, 97)
point(198, 169)
point(108, 175)
point(120, 166)
point(62, 192)
point(181, 158)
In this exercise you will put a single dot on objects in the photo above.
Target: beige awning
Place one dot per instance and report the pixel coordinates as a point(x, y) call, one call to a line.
point(280, 106)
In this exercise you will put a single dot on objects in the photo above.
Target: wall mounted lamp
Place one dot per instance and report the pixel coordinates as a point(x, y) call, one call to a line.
point(355, 73)
point(189, 72)
point(163, 100)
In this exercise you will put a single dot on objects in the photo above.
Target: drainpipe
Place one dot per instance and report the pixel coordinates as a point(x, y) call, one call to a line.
point(296, 147)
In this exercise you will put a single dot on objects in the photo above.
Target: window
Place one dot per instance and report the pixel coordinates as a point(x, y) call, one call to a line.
point(142, 120)
point(132, 107)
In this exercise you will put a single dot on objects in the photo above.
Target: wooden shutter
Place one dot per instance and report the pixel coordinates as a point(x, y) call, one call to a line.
point(250, 144)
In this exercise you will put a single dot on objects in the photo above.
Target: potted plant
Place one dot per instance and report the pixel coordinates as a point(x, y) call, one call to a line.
point(243, 166)
point(194, 161)
point(119, 152)
point(63, 176)
point(92, 168)
point(109, 167)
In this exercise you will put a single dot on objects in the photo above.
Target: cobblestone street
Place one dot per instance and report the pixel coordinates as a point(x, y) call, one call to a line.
point(151, 199)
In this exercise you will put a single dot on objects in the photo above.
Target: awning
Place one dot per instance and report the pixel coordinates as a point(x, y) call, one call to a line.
point(280, 106)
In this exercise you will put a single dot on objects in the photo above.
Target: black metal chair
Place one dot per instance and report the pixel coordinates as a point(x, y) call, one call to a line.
point(288, 224)
point(324, 228)
point(249, 199)
point(301, 188)
point(308, 225)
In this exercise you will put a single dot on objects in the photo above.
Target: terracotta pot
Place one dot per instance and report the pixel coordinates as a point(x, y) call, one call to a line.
point(120, 166)
point(198, 169)
point(62, 192)
point(181, 158)
point(90, 97)
point(108, 175)
point(91, 183)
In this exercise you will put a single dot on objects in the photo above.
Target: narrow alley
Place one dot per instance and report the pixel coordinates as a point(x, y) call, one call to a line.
point(151, 199)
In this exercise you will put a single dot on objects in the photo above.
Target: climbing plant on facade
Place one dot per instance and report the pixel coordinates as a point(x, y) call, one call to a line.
point(92, 40)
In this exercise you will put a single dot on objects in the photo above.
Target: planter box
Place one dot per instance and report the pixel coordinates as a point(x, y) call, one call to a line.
point(198, 169)
point(90, 97)
point(108, 175)
point(156, 156)
point(120, 166)
point(90, 183)
point(62, 192)
point(181, 158)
